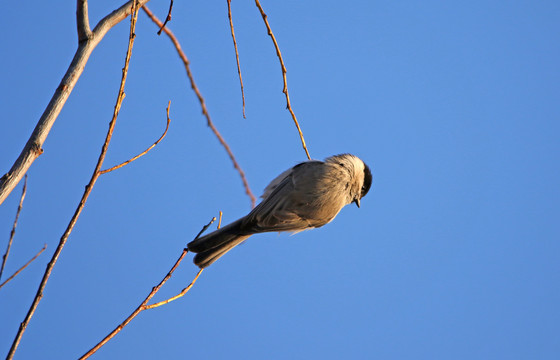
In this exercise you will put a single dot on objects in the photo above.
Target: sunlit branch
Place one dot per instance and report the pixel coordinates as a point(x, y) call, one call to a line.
point(88, 189)
point(285, 89)
point(203, 104)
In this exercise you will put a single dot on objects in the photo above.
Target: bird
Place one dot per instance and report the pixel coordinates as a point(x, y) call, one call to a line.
point(306, 196)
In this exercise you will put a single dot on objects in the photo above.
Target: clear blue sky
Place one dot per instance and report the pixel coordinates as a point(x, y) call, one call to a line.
point(455, 253)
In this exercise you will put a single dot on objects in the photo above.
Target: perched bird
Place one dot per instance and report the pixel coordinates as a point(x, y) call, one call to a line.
point(307, 196)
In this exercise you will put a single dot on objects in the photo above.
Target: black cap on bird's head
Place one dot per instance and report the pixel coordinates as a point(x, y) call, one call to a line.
point(367, 181)
point(365, 186)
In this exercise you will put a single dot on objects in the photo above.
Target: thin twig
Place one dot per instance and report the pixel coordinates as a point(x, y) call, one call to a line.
point(143, 305)
point(203, 104)
point(145, 151)
point(181, 294)
point(285, 89)
point(24, 266)
point(168, 18)
point(88, 189)
point(185, 290)
point(236, 55)
point(33, 147)
point(13, 232)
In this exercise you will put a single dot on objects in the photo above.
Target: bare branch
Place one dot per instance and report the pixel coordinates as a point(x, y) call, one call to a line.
point(13, 232)
point(82, 20)
point(24, 266)
point(236, 55)
point(143, 152)
point(285, 89)
point(87, 192)
point(168, 18)
point(185, 290)
point(181, 294)
point(203, 104)
point(33, 147)
point(143, 305)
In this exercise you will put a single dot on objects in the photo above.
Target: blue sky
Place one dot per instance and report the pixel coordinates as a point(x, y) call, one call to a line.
point(453, 255)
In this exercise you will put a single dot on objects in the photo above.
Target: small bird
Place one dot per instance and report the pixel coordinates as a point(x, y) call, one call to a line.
point(307, 196)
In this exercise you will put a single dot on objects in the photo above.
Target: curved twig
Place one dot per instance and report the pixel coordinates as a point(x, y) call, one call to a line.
point(143, 152)
point(203, 104)
point(168, 18)
point(87, 192)
point(185, 290)
point(181, 294)
point(236, 55)
point(143, 306)
point(33, 147)
point(24, 266)
point(285, 89)
point(13, 232)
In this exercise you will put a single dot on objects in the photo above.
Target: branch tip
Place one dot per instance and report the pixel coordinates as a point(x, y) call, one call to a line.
point(143, 152)
point(236, 56)
point(24, 266)
point(13, 232)
point(168, 18)
point(284, 71)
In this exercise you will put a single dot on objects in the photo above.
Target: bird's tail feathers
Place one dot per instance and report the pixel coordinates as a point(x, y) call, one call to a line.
point(206, 258)
point(212, 246)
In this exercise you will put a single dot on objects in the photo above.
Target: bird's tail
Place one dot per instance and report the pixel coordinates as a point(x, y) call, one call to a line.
point(211, 247)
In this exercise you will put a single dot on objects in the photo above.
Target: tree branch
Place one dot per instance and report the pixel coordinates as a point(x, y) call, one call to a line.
point(143, 306)
point(236, 55)
point(82, 20)
point(33, 147)
point(13, 232)
point(87, 192)
point(143, 152)
point(203, 104)
point(285, 89)
point(168, 18)
point(181, 294)
point(185, 290)
point(24, 266)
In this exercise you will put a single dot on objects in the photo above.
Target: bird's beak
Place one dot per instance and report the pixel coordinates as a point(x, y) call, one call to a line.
point(357, 202)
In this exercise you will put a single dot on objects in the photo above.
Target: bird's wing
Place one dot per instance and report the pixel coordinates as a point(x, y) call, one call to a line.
point(274, 183)
point(284, 199)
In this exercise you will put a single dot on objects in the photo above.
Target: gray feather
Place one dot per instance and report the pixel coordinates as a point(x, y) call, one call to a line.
point(206, 258)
